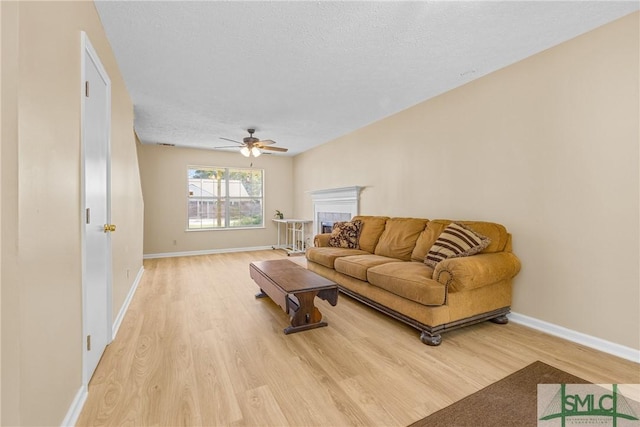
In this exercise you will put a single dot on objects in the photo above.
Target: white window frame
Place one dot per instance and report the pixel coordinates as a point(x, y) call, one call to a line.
point(227, 199)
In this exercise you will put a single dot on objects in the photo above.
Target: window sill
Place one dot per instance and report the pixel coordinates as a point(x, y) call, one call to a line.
point(197, 230)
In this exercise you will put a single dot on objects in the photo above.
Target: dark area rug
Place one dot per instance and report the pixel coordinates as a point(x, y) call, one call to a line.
point(510, 402)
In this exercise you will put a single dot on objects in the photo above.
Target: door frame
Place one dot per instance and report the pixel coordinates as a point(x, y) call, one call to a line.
point(87, 51)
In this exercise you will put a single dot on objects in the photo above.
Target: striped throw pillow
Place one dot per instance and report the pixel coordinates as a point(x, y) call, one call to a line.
point(456, 240)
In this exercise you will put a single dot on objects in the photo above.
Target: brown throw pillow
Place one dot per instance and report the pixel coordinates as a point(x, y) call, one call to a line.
point(456, 240)
point(345, 234)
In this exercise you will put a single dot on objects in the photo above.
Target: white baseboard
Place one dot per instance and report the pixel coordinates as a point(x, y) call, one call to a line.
point(577, 337)
point(73, 413)
point(71, 418)
point(125, 305)
point(205, 252)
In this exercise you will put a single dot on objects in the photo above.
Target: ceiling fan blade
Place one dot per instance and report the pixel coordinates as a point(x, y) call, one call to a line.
point(266, 142)
point(228, 146)
point(283, 150)
point(233, 140)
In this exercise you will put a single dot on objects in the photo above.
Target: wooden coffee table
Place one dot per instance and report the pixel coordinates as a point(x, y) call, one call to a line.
point(294, 289)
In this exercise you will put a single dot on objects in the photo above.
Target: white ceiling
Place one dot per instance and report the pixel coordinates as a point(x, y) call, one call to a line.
point(305, 72)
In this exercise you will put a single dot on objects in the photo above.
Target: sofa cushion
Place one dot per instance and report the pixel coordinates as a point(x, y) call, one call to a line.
point(410, 280)
point(345, 234)
point(496, 232)
point(372, 228)
point(399, 237)
point(426, 239)
point(357, 265)
point(327, 255)
point(455, 241)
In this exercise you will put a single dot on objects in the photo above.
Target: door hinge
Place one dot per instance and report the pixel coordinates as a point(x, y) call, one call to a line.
point(88, 215)
point(88, 342)
point(86, 88)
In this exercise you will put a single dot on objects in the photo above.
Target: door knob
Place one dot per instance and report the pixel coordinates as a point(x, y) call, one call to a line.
point(109, 227)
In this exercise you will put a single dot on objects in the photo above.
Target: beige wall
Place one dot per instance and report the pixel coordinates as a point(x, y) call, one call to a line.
point(41, 211)
point(9, 356)
point(549, 148)
point(164, 184)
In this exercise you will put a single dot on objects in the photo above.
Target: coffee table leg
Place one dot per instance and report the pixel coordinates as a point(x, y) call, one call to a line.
point(307, 316)
point(261, 294)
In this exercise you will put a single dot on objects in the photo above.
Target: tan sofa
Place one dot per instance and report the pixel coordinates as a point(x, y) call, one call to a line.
point(387, 272)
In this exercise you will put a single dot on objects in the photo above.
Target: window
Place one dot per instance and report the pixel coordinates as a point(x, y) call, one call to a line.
point(225, 198)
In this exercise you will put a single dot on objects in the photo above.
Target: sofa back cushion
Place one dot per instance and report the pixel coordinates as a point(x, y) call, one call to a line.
point(426, 240)
point(456, 240)
point(370, 231)
point(496, 232)
point(399, 237)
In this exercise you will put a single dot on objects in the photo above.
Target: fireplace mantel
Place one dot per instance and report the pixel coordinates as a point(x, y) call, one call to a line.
point(344, 200)
point(343, 193)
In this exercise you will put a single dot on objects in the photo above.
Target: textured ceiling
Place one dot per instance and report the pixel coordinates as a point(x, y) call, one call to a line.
point(303, 73)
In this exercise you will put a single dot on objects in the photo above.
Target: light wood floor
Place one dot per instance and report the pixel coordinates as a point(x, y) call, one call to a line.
point(196, 348)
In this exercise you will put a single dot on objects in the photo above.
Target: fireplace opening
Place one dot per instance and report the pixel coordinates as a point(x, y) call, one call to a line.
point(326, 226)
point(327, 219)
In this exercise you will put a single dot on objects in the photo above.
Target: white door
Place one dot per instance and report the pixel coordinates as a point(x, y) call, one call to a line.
point(96, 123)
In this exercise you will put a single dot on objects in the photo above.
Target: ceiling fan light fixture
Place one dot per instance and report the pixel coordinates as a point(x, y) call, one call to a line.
point(252, 147)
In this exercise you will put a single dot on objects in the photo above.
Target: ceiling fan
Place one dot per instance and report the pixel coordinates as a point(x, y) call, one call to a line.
point(252, 146)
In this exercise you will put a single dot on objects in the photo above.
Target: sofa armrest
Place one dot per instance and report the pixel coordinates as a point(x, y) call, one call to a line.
point(321, 240)
point(465, 273)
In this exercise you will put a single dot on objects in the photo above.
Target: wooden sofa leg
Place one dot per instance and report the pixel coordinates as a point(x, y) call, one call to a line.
point(500, 320)
point(429, 339)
